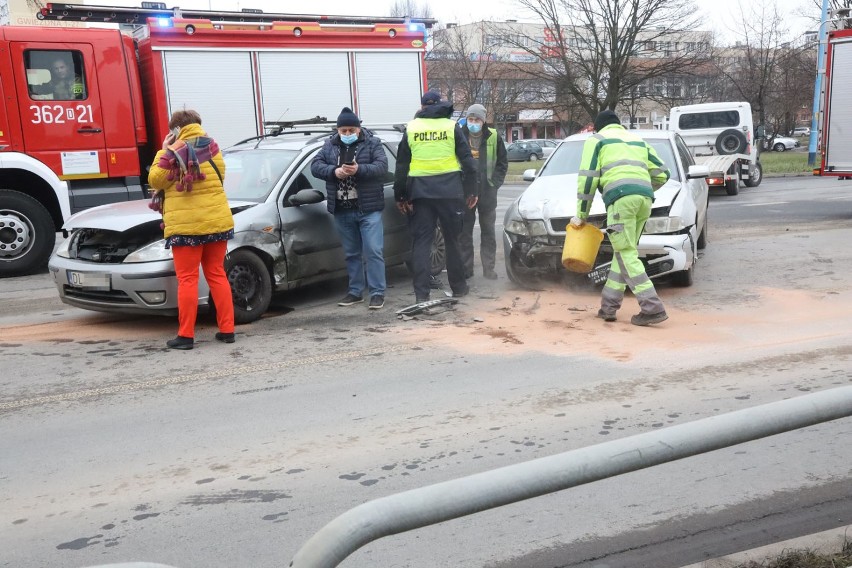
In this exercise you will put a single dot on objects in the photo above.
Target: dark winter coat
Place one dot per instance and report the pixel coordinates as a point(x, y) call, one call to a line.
point(372, 171)
point(453, 185)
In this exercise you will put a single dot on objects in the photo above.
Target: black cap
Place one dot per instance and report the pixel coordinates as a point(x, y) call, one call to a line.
point(347, 118)
point(605, 118)
point(430, 98)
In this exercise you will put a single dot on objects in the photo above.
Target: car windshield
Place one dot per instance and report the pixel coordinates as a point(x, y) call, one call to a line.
point(251, 174)
point(566, 158)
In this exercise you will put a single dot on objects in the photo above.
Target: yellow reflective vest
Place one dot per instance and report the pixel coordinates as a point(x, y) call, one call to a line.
point(618, 163)
point(433, 147)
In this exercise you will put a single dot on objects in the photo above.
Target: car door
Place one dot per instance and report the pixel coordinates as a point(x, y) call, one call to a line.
point(397, 235)
point(310, 239)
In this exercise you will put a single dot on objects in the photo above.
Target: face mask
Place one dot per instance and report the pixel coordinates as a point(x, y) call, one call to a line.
point(474, 128)
point(176, 131)
point(348, 138)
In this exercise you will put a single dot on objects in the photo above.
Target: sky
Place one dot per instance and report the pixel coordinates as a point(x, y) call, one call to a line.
point(716, 15)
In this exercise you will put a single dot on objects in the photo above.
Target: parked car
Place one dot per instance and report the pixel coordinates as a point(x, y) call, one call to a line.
point(115, 260)
point(783, 143)
point(548, 145)
point(801, 131)
point(534, 225)
point(524, 152)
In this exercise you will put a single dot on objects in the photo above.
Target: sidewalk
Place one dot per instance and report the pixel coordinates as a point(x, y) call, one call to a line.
point(829, 542)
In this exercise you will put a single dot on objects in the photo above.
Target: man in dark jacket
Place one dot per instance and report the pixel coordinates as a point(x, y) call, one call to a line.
point(435, 182)
point(353, 164)
point(490, 152)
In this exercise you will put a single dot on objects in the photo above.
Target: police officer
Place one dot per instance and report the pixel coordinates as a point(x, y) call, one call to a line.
point(627, 170)
point(490, 152)
point(435, 182)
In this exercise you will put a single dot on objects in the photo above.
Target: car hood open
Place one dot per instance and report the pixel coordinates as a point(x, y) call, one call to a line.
point(126, 215)
point(556, 196)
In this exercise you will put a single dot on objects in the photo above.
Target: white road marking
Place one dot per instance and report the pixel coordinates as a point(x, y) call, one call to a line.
point(762, 204)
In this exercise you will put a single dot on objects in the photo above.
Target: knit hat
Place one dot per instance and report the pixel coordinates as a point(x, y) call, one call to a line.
point(605, 118)
point(477, 111)
point(430, 98)
point(347, 118)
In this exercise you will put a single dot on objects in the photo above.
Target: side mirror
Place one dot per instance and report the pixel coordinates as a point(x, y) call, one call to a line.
point(529, 175)
point(760, 132)
point(698, 171)
point(306, 197)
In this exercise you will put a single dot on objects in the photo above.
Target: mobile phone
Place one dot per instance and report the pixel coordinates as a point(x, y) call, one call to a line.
point(349, 163)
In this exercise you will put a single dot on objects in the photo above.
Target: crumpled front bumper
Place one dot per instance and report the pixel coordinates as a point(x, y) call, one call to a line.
point(123, 287)
point(542, 256)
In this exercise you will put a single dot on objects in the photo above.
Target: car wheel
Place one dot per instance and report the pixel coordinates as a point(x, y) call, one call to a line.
point(525, 282)
point(779, 147)
point(251, 285)
point(732, 186)
point(438, 254)
point(755, 175)
point(684, 278)
point(702, 236)
point(27, 234)
point(731, 141)
point(533, 157)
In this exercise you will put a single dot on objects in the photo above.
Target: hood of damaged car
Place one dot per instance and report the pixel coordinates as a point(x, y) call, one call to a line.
point(126, 215)
point(556, 196)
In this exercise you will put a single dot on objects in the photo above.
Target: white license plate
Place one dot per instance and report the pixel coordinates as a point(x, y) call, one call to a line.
point(90, 280)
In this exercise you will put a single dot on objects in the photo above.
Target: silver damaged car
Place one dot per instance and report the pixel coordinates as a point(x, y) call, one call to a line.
point(114, 258)
point(534, 225)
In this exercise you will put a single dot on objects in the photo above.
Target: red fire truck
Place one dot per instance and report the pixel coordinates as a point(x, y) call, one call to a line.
point(835, 126)
point(84, 108)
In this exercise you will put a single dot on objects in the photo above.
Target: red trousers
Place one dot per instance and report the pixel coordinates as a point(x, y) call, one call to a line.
point(211, 257)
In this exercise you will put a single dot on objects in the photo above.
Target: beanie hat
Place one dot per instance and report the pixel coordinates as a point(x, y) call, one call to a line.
point(347, 118)
point(477, 111)
point(430, 98)
point(605, 118)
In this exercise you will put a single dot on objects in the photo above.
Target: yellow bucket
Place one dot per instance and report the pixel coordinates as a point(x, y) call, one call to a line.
point(581, 247)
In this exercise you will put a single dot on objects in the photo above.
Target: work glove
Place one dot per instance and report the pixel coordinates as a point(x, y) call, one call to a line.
point(577, 222)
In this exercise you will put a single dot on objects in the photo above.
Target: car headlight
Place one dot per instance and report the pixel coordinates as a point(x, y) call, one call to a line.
point(662, 225)
point(534, 228)
point(64, 248)
point(150, 253)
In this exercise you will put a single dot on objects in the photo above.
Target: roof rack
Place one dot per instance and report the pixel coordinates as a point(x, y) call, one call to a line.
point(139, 16)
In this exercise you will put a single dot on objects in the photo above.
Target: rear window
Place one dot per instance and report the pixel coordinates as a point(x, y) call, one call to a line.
point(566, 158)
point(720, 119)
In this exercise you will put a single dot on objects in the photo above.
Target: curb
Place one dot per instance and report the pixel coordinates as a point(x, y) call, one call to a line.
point(826, 542)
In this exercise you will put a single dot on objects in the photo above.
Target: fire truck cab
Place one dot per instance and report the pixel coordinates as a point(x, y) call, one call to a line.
point(84, 109)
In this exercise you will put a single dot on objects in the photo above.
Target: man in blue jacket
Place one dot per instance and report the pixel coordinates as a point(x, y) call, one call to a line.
point(353, 164)
point(435, 181)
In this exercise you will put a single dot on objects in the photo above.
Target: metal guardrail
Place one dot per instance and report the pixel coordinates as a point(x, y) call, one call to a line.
point(460, 497)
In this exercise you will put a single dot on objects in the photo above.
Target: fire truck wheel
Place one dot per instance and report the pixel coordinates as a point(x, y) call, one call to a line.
point(251, 285)
point(27, 234)
point(755, 175)
point(731, 141)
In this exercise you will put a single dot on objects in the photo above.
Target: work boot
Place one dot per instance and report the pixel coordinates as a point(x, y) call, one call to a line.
point(489, 274)
point(606, 316)
point(225, 337)
point(648, 319)
point(180, 342)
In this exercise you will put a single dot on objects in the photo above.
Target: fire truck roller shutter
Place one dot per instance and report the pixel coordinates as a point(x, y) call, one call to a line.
point(838, 146)
point(300, 85)
point(219, 85)
point(389, 86)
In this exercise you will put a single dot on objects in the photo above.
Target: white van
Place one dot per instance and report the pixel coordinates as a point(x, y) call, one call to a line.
point(722, 137)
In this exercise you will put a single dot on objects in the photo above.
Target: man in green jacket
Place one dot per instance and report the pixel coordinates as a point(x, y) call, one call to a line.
point(627, 171)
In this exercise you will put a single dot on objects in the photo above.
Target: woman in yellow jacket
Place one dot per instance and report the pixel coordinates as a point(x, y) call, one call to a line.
point(187, 174)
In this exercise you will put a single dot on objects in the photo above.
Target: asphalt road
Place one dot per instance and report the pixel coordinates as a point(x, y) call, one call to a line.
point(114, 449)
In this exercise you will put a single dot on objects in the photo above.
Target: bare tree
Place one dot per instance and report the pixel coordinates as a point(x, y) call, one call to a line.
point(757, 55)
point(411, 9)
point(591, 47)
point(796, 68)
point(462, 67)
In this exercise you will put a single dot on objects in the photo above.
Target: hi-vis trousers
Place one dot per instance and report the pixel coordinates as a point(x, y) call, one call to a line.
point(625, 219)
